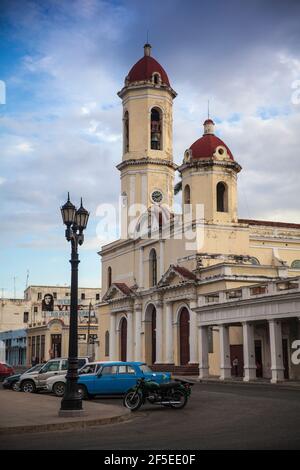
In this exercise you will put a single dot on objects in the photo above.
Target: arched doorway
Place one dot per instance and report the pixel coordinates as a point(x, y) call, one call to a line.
point(123, 339)
point(153, 334)
point(150, 334)
point(184, 336)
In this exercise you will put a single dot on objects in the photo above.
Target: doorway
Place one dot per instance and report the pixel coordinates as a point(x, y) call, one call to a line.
point(285, 358)
point(184, 336)
point(123, 338)
point(55, 346)
point(258, 358)
point(153, 335)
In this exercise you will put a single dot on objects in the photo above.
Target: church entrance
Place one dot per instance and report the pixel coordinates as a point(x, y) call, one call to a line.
point(123, 339)
point(184, 336)
point(150, 334)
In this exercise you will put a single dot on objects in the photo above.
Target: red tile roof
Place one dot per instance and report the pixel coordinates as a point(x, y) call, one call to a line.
point(123, 287)
point(144, 69)
point(205, 147)
point(184, 272)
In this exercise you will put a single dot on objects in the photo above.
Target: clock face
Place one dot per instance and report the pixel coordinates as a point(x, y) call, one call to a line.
point(157, 196)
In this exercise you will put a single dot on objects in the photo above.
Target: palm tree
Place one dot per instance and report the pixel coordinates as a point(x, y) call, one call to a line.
point(178, 186)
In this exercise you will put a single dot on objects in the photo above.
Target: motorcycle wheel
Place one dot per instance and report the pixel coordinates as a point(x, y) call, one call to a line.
point(133, 400)
point(181, 397)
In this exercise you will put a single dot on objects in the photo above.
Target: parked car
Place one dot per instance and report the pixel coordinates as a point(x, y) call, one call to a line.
point(34, 382)
point(12, 381)
point(116, 378)
point(5, 370)
point(57, 384)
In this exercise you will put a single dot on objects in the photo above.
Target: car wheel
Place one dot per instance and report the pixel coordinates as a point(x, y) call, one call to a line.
point(82, 391)
point(28, 386)
point(15, 387)
point(59, 389)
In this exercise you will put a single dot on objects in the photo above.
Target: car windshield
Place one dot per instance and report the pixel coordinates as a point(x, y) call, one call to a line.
point(145, 369)
point(34, 368)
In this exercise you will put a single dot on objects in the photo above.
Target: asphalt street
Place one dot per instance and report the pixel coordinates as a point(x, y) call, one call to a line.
point(218, 416)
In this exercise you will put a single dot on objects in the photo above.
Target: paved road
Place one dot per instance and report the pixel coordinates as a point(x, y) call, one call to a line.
point(218, 416)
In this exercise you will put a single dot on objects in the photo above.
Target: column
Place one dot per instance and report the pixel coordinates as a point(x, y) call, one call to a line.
point(129, 335)
point(249, 352)
point(276, 351)
point(112, 338)
point(225, 365)
point(193, 337)
point(169, 334)
point(159, 327)
point(203, 351)
point(138, 328)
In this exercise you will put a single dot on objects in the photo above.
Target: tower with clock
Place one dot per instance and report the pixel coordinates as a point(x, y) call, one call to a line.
point(147, 168)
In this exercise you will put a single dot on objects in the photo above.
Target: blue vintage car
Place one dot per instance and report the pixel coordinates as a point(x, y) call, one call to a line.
point(116, 378)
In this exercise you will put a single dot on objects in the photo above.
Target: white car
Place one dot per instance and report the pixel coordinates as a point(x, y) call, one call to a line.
point(31, 383)
point(57, 384)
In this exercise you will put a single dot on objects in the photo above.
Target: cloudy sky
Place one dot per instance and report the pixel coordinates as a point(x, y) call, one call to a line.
point(63, 61)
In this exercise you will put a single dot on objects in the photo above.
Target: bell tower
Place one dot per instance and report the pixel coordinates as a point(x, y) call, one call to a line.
point(209, 179)
point(147, 168)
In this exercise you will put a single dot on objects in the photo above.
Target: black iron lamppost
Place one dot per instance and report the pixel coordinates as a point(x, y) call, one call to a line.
point(76, 221)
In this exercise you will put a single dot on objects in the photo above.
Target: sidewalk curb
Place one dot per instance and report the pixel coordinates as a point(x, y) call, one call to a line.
point(279, 385)
point(82, 424)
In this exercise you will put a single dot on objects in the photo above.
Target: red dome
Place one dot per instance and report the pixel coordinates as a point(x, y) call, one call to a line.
point(144, 69)
point(205, 146)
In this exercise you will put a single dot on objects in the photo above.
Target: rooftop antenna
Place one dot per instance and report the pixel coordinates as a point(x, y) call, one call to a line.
point(208, 109)
point(27, 278)
point(147, 36)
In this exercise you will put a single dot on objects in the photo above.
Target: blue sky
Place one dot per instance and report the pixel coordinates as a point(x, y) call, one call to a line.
point(60, 129)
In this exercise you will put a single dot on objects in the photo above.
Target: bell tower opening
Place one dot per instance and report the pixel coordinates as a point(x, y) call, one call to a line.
point(126, 132)
point(156, 129)
point(222, 197)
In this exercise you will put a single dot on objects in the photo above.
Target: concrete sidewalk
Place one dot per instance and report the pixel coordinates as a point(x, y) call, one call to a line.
point(286, 385)
point(31, 412)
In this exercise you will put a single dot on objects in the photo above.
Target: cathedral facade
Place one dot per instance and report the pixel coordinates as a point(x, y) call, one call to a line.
point(194, 292)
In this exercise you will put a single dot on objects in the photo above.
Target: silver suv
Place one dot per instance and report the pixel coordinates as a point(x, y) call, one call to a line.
point(33, 382)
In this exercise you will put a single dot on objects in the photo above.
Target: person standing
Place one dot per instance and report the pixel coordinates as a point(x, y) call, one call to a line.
point(235, 365)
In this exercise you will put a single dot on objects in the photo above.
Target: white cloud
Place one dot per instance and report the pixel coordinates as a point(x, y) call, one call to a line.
point(69, 126)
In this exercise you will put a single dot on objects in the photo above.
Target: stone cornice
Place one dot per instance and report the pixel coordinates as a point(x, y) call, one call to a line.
point(209, 163)
point(146, 84)
point(146, 161)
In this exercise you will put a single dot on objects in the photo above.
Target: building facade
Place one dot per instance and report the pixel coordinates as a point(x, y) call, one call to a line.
point(48, 325)
point(157, 274)
point(14, 314)
point(14, 345)
point(36, 328)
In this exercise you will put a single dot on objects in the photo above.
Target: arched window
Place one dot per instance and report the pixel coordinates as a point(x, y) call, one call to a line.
point(222, 204)
point(156, 78)
point(126, 132)
point(107, 343)
point(187, 194)
point(156, 129)
point(296, 264)
point(108, 277)
point(153, 267)
point(254, 260)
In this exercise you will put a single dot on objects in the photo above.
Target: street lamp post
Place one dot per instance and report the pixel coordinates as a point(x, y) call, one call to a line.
point(76, 221)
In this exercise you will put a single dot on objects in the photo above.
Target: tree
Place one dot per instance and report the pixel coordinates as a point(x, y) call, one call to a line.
point(178, 186)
